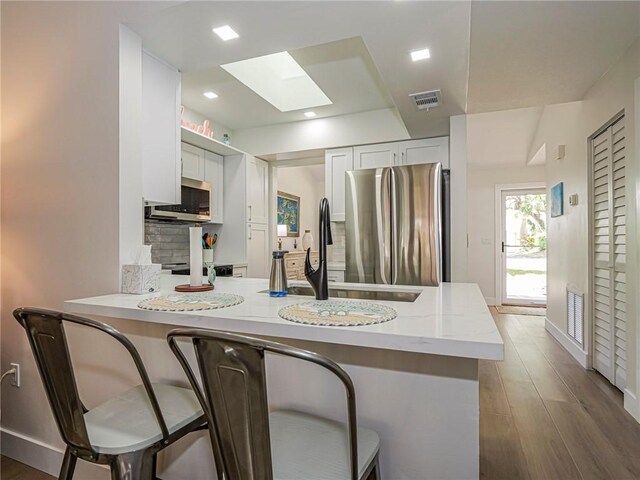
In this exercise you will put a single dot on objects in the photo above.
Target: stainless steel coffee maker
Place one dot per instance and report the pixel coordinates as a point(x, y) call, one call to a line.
point(278, 277)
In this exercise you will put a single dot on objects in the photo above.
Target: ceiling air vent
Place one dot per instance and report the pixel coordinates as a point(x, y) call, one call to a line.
point(427, 100)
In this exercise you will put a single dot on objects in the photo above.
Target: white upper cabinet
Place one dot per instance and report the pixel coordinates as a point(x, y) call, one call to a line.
point(375, 156)
point(160, 135)
point(214, 174)
point(426, 150)
point(257, 190)
point(192, 162)
point(338, 161)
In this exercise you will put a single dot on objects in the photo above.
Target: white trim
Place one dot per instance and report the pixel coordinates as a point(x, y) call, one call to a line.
point(499, 188)
point(567, 342)
point(42, 456)
point(491, 301)
point(631, 404)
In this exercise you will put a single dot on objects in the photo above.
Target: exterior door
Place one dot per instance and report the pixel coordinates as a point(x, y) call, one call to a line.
point(524, 247)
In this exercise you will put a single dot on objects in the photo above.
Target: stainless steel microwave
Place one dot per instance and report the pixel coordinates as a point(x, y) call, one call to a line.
point(195, 205)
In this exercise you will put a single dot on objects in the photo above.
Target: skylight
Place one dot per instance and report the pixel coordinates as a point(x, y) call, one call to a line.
point(280, 80)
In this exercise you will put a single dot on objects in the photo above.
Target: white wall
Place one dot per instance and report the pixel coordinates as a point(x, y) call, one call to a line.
point(458, 159)
point(60, 203)
point(568, 254)
point(356, 129)
point(219, 129)
point(481, 215)
point(307, 182)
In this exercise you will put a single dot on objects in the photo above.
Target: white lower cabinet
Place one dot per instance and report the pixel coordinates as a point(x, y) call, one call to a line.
point(335, 275)
point(257, 250)
point(239, 272)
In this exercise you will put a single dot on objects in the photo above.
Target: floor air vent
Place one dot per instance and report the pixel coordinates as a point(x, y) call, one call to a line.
point(575, 315)
point(427, 100)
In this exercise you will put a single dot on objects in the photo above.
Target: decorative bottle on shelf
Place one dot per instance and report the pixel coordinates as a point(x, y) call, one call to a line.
point(226, 139)
point(307, 240)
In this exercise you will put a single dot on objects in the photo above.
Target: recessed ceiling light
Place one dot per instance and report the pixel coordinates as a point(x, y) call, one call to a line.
point(309, 114)
point(420, 54)
point(280, 80)
point(225, 33)
point(210, 95)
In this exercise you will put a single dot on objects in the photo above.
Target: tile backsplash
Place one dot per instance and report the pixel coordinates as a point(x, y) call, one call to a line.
point(336, 252)
point(169, 241)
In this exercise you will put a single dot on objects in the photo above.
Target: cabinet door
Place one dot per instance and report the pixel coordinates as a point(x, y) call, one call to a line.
point(214, 174)
point(192, 162)
point(257, 190)
point(240, 272)
point(160, 131)
point(337, 162)
point(426, 150)
point(335, 276)
point(257, 250)
point(375, 156)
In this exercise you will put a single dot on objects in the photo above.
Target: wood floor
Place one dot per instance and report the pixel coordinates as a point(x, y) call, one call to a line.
point(12, 470)
point(542, 416)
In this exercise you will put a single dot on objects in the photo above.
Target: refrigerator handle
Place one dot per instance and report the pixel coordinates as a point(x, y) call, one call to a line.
point(382, 244)
point(394, 231)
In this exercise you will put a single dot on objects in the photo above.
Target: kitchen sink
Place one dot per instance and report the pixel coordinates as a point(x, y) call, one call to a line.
point(341, 292)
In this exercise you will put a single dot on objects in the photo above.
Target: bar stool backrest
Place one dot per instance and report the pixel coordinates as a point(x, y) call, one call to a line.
point(232, 370)
point(45, 331)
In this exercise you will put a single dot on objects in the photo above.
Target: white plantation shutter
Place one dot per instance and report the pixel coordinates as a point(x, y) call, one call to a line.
point(609, 254)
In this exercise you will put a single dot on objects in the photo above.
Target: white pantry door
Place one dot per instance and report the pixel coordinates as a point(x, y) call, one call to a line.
point(608, 276)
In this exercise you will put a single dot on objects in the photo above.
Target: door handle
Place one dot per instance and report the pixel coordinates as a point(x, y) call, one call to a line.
point(502, 247)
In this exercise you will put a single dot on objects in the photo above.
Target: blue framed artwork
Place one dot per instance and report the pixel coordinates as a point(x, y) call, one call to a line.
point(289, 213)
point(557, 200)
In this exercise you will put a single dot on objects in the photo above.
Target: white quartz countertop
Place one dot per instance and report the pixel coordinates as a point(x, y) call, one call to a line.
point(452, 319)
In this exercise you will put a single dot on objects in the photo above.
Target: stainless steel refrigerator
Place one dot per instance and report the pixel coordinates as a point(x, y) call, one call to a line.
point(394, 225)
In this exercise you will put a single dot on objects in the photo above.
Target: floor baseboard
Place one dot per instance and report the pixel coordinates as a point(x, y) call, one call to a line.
point(44, 457)
point(569, 345)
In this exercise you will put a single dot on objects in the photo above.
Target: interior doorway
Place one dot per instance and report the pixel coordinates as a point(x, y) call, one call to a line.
point(521, 269)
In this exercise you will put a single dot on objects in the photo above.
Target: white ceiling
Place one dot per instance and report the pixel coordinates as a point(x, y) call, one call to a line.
point(537, 53)
point(343, 70)
point(501, 138)
point(485, 56)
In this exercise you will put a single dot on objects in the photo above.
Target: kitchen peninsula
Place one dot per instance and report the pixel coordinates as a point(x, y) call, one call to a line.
point(416, 377)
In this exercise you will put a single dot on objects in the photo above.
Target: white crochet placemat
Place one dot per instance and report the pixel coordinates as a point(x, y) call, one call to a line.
point(189, 302)
point(338, 313)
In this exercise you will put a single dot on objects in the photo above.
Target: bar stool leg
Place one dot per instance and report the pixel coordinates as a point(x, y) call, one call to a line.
point(132, 466)
point(68, 465)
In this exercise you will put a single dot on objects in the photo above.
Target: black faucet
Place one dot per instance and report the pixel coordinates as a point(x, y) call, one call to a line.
point(318, 278)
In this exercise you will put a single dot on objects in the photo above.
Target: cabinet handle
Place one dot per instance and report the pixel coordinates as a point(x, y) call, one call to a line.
point(402, 159)
point(250, 213)
point(395, 156)
point(249, 232)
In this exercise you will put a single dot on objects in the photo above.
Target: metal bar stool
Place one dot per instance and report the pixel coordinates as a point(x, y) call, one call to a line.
point(125, 432)
point(251, 444)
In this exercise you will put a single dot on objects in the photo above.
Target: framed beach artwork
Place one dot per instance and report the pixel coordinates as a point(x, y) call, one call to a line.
point(557, 200)
point(289, 213)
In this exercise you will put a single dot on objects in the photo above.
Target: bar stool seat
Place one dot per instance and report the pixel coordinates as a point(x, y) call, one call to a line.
point(125, 432)
point(316, 448)
point(127, 423)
